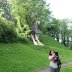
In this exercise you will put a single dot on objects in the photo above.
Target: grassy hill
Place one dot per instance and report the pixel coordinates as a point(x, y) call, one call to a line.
point(28, 57)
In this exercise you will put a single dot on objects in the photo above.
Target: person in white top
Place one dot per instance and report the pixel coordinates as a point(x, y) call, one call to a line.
point(53, 64)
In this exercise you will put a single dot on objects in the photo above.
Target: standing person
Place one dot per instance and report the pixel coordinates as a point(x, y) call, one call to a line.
point(53, 64)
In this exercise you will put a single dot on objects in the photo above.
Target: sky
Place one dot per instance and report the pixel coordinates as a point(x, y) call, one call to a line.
point(61, 8)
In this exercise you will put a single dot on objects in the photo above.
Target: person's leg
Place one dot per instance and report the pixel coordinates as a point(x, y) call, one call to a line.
point(52, 70)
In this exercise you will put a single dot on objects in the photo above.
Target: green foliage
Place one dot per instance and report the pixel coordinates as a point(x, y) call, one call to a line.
point(4, 6)
point(59, 30)
point(70, 45)
point(64, 28)
point(22, 39)
point(54, 28)
point(30, 11)
point(7, 31)
point(19, 12)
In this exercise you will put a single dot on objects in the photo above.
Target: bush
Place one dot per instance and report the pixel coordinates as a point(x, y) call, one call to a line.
point(7, 31)
point(22, 40)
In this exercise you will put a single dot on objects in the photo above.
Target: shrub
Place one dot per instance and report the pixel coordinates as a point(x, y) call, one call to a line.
point(7, 31)
point(23, 40)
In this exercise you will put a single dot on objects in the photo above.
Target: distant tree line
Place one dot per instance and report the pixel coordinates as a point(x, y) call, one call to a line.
point(59, 30)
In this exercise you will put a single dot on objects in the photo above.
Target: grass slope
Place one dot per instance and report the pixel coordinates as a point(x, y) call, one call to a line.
point(28, 58)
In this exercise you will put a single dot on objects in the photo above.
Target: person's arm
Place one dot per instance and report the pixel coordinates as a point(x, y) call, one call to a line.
point(52, 58)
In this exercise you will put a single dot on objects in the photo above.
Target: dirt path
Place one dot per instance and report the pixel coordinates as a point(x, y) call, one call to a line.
point(63, 65)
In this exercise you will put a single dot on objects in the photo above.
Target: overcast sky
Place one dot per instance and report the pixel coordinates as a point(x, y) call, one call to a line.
point(61, 8)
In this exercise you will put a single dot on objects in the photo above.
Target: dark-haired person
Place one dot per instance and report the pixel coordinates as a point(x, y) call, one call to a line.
point(53, 64)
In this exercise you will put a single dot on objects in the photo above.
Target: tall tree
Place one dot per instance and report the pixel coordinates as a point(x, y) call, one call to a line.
point(54, 28)
point(64, 31)
point(27, 12)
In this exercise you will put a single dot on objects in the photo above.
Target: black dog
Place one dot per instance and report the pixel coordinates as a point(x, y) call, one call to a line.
point(58, 60)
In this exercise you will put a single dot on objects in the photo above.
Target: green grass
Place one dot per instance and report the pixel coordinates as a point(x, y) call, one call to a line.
point(28, 57)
